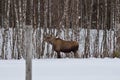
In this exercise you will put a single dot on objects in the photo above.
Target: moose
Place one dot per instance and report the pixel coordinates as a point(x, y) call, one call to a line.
point(60, 45)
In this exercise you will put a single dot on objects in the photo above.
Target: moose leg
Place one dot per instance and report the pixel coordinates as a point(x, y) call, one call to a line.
point(76, 55)
point(67, 55)
point(58, 55)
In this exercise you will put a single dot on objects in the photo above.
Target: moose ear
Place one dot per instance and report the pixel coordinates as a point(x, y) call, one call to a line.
point(56, 36)
point(53, 36)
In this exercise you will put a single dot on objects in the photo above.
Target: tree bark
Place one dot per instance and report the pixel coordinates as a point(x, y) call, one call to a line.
point(28, 52)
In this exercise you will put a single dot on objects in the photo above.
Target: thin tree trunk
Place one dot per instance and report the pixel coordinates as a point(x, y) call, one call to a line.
point(96, 44)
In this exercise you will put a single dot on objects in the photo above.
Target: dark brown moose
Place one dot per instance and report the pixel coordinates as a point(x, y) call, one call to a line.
point(60, 45)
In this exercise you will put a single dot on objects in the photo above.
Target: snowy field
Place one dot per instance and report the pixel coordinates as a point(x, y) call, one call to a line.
point(62, 69)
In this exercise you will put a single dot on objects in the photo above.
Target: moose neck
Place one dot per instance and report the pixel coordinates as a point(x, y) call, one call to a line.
point(52, 41)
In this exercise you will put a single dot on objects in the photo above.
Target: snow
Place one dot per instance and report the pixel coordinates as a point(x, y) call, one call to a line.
point(62, 69)
point(12, 70)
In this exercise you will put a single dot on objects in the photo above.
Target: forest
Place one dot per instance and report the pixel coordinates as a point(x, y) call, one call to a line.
point(95, 24)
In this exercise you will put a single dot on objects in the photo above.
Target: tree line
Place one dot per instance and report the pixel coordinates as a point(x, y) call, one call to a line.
point(59, 17)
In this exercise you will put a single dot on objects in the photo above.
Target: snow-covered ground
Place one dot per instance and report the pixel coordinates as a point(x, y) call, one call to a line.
point(62, 69)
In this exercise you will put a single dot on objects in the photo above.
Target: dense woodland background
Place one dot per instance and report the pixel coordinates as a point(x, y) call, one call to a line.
point(59, 17)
